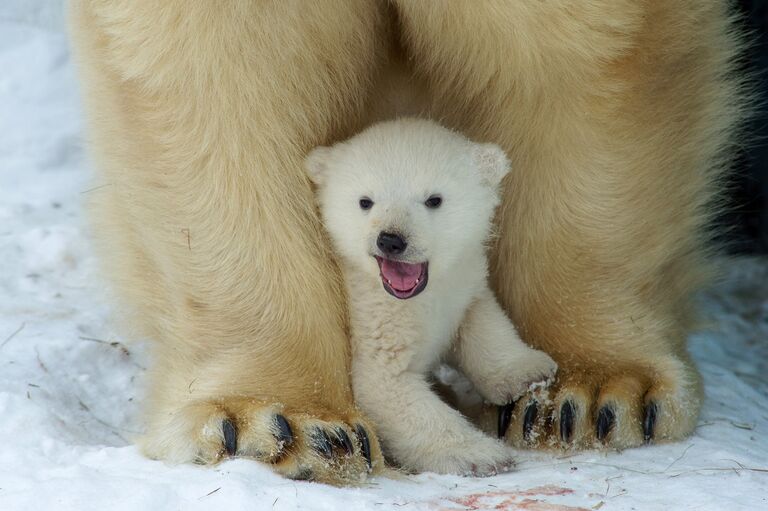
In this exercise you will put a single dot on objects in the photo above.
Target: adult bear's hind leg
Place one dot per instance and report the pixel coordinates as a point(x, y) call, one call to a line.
point(200, 115)
point(616, 115)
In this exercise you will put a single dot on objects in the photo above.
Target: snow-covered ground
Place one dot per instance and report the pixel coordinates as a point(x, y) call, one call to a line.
point(70, 390)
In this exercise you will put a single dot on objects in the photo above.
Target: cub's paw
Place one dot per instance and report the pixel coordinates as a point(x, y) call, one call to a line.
point(319, 447)
point(600, 408)
point(533, 369)
point(479, 456)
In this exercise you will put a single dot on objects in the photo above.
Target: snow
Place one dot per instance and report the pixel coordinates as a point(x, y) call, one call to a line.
point(70, 390)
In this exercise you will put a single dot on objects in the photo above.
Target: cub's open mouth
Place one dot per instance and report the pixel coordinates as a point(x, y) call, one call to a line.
point(402, 280)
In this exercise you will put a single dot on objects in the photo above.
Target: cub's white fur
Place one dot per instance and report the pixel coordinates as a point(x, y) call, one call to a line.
point(396, 343)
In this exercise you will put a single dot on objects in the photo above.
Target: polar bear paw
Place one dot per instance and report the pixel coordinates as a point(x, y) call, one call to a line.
point(605, 408)
point(481, 456)
point(319, 447)
point(523, 373)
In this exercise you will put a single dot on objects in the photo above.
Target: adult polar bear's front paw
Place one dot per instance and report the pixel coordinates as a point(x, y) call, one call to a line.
point(320, 446)
point(615, 407)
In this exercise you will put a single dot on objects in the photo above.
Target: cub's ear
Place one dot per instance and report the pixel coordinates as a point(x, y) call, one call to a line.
point(492, 163)
point(316, 164)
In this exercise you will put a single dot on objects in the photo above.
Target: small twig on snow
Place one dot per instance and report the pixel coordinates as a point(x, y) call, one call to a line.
point(96, 188)
point(210, 493)
point(679, 457)
point(114, 344)
point(14, 334)
point(40, 362)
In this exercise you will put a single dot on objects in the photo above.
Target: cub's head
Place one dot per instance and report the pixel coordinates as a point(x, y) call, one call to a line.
point(408, 200)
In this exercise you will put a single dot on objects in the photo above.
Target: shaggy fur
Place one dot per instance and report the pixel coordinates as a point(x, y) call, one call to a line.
point(396, 343)
point(615, 114)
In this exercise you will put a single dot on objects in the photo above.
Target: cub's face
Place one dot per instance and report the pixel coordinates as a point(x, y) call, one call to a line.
point(407, 200)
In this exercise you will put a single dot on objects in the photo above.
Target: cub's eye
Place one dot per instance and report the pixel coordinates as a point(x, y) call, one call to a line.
point(433, 202)
point(366, 203)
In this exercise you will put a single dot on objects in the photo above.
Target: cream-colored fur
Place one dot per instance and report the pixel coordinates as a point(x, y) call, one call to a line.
point(616, 115)
point(207, 222)
point(397, 343)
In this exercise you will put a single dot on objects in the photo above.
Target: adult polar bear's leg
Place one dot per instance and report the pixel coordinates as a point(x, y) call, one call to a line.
point(201, 113)
point(616, 115)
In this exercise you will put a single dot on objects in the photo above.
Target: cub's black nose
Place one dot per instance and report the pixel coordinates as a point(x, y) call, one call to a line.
point(391, 244)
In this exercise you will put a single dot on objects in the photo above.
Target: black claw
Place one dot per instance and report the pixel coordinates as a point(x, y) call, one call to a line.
point(230, 436)
point(605, 420)
point(284, 434)
point(505, 417)
point(566, 421)
point(321, 442)
point(365, 443)
point(529, 419)
point(649, 421)
point(342, 440)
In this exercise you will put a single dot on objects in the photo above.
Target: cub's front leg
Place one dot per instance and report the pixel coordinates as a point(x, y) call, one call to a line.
point(416, 428)
point(494, 358)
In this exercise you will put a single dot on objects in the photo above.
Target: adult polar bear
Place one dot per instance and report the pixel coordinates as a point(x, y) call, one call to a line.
point(615, 113)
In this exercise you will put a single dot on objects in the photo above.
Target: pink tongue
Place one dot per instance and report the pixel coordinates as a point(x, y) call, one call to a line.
point(402, 276)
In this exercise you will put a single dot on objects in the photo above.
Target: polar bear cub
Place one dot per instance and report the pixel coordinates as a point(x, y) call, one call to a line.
point(409, 206)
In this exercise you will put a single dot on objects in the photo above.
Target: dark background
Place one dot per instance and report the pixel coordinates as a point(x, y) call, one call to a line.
point(746, 221)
